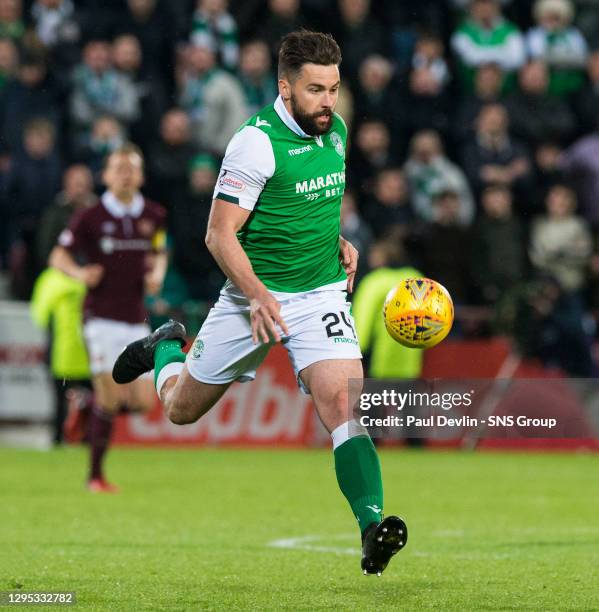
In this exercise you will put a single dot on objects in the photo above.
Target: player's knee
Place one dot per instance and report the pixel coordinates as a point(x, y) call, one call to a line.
point(335, 410)
point(181, 413)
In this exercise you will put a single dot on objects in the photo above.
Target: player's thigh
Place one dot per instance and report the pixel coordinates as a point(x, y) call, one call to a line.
point(189, 399)
point(108, 395)
point(328, 382)
point(223, 350)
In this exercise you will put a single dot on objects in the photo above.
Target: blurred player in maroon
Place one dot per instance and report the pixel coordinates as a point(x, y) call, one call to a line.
point(120, 241)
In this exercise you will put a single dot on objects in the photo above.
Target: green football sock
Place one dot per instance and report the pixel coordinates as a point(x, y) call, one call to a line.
point(167, 351)
point(359, 476)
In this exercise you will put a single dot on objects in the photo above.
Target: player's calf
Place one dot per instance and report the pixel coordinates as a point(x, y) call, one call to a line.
point(188, 399)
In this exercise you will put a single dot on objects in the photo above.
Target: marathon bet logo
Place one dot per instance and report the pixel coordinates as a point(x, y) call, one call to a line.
point(320, 182)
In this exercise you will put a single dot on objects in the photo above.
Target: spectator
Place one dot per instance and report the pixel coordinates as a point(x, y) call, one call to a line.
point(547, 172)
point(11, 20)
point(59, 28)
point(534, 114)
point(9, 62)
point(389, 210)
point(187, 221)
point(213, 99)
point(561, 251)
point(498, 251)
point(32, 185)
point(486, 37)
point(370, 153)
point(283, 17)
point(558, 43)
point(168, 162)
point(360, 35)
point(354, 228)
point(429, 58)
point(488, 89)
point(107, 135)
point(149, 89)
point(560, 242)
point(580, 163)
point(98, 89)
point(377, 95)
point(427, 100)
point(587, 101)
point(77, 193)
point(32, 94)
point(492, 156)
point(153, 25)
point(214, 26)
point(443, 255)
point(552, 325)
point(429, 172)
point(255, 74)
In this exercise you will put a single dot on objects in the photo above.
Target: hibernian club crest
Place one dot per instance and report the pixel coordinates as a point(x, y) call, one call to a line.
point(198, 348)
point(337, 143)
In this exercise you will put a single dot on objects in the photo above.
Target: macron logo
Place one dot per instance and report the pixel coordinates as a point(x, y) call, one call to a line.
point(375, 508)
point(261, 122)
point(300, 150)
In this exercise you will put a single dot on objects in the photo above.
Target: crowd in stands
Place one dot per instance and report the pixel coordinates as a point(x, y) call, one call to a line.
point(474, 134)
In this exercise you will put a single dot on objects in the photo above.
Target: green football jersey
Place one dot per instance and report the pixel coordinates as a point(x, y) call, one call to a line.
point(293, 184)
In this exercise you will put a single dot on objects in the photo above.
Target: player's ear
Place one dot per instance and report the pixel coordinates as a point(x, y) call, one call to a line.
point(284, 89)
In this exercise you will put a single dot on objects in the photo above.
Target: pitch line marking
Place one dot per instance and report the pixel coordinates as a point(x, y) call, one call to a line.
point(308, 543)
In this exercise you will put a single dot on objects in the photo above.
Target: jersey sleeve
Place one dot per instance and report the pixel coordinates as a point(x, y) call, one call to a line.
point(73, 237)
point(248, 164)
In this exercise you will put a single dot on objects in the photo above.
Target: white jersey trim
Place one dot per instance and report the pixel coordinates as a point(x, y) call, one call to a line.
point(249, 162)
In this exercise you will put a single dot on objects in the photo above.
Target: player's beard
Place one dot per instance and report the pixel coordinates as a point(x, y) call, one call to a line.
point(307, 121)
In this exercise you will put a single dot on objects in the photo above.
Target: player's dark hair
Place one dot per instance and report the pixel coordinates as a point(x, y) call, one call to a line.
point(306, 47)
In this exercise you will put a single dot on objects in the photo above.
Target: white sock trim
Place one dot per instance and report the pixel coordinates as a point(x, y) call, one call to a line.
point(170, 369)
point(349, 429)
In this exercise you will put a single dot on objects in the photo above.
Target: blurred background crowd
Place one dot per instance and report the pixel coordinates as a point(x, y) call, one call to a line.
point(473, 154)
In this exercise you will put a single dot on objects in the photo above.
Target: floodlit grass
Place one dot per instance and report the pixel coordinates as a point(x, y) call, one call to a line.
point(194, 530)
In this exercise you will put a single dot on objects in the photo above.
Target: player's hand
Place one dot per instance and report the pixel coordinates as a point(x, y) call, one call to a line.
point(348, 254)
point(92, 274)
point(265, 316)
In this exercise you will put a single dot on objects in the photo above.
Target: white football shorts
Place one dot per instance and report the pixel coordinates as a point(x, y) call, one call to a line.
point(106, 338)
point(320, 327)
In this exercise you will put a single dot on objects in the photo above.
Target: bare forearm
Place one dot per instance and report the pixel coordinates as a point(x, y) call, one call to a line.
point(159, 266)
point(232, 260)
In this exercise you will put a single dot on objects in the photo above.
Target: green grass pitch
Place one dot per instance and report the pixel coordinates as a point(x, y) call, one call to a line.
point(193, 530)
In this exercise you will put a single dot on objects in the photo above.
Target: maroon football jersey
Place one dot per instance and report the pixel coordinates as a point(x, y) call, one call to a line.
point(119, 238)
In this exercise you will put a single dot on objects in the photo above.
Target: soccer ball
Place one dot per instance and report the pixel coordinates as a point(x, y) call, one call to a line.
point(418, 313)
